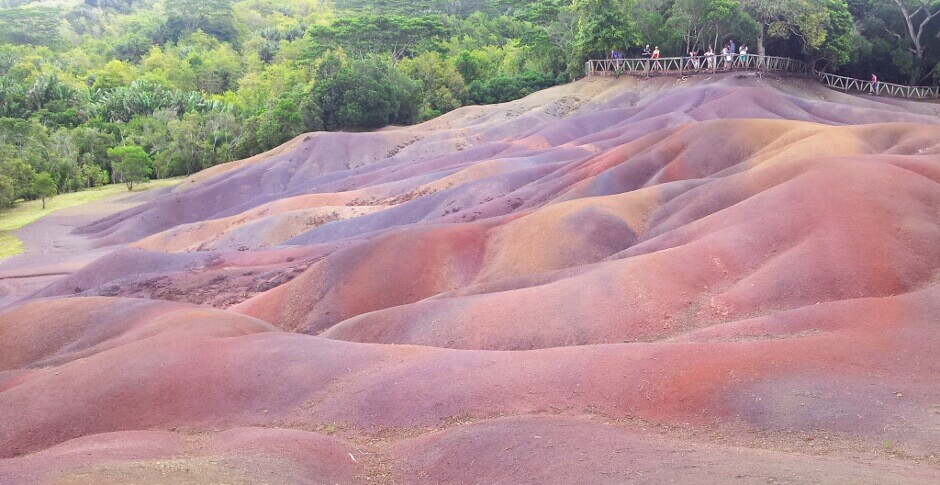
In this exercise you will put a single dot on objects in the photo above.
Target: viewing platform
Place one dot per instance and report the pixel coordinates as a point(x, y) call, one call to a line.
point(685, 66)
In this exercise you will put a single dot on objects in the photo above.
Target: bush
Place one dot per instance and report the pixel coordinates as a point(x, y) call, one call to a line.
point(501, 89)
point(93, 175)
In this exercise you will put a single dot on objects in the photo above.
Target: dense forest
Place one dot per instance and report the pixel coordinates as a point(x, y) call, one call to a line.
point(100, 91)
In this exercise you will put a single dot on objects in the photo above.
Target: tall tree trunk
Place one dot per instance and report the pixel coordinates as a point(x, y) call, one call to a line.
point(761, 50)
point(918, 68)
point(915, 33)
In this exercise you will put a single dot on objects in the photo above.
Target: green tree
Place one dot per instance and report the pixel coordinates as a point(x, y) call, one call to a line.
point(501, 89)
point(550, 37)
point(841, 39)
point(604, 25)
point(781, 19)
point(132, 47)
point(31, 25)
point(704, 22)
point(93, 175)
point(917, 16)
point(61, 161)
point(16, 175)
point(364, 34)
point(201, 140)
point(7, 190)
point(474, 65)
point(280, 122)
point(25, 141)
point(187, 149)
point(367, 93)
point(114, 74)
point(150, 131)
point(131, 164)
point(443, 88)
point(92, 144)
point(45, 89)
point(12, 98)
point(43, 187)
point(771, 15)
point(214, 17)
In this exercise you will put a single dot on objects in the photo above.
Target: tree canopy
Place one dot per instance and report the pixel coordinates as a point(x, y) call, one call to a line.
point(366, 94)
point(604, 25)
point(131, 164)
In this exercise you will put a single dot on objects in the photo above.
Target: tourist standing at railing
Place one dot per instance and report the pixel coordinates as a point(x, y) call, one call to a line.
point(693, 62)
point(742, 56)
point(710, 58)
point(732, 46)
point(647, 53)
point(726, 57)
point(874, 84)
point(655, 57)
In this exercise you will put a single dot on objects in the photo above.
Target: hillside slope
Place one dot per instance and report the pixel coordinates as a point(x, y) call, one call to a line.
point(608, 281)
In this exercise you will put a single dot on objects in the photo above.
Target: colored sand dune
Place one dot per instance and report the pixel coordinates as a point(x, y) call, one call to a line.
point(733, 279)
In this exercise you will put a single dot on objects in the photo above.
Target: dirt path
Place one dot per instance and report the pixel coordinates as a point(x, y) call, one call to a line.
point(52, 252)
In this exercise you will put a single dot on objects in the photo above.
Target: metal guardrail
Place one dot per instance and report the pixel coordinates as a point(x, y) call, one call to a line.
point(684, 66)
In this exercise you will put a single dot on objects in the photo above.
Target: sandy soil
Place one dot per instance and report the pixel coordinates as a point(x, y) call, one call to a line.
point(51, 251)
point(718, 280)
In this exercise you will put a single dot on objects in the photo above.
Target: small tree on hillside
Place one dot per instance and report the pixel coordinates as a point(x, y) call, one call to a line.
point(131, 164)
point(43, 187)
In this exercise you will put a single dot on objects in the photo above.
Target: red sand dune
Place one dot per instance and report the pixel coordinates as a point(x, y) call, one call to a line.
point(731, 279)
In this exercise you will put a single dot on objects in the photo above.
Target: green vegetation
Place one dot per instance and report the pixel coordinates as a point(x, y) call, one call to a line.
point(44, 187)
point(603, 25)
point(14, 218)
point(9, 244)
point(194, 83)
point(131, 165)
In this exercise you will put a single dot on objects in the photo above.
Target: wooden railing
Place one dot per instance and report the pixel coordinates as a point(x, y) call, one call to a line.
point(685, 66)
point(889, 89)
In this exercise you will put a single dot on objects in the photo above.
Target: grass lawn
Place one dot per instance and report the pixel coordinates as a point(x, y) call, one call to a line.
point(24, 213)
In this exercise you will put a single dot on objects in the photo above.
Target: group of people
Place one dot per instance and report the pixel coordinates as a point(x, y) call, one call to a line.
point(730, 57)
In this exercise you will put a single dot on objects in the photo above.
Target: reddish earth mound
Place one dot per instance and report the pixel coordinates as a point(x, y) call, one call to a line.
point(555, 450)
point(609, 281)
point(239, 455)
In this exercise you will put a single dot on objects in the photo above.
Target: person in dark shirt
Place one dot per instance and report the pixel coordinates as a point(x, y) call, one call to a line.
point(646, 55)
